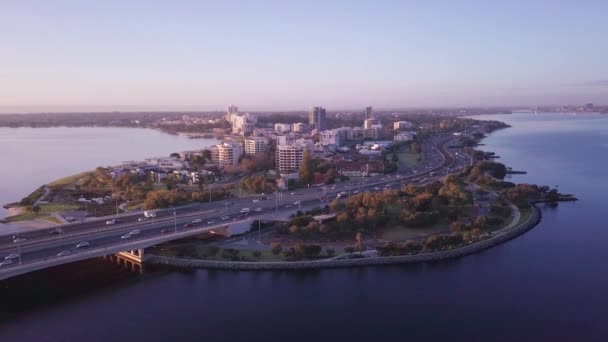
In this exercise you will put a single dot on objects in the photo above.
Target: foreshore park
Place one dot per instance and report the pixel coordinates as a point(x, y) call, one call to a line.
point(288, 191)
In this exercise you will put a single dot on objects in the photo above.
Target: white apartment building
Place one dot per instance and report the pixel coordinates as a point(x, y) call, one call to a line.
point(282, 127)
point(299, 127)
point(399, 125)
point(229, 153)
point(288, 158)
point(256, 146)
point(334, 137)
point(404, 136)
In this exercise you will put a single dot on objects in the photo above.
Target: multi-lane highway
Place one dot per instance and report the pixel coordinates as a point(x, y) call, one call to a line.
point(67, 241)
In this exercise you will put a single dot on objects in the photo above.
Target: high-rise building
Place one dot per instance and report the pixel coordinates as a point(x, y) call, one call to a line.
point(369, 113)
point(299, 127)
point(288, 158)
point(256, 146)
point(229, 153)
point(232, 109)
point(368, 123)
point(317, 118)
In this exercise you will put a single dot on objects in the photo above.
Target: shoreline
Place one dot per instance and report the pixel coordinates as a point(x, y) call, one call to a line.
point(533, 220)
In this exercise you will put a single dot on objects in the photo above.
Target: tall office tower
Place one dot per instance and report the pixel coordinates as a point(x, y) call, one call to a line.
point(231, 110)
point(369, 113)
point(317, 118)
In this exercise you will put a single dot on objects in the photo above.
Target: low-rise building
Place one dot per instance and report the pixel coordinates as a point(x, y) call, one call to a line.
point(404, 136)
point(282, 127)
point(400, 125)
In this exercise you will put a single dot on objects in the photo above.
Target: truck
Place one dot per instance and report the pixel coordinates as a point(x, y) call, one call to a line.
point(149, 213)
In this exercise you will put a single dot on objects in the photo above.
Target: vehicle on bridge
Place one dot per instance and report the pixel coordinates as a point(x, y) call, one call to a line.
point(82, 244)
point(112, 221)
point(149, 213)
point(63, 253)
point(6, 262)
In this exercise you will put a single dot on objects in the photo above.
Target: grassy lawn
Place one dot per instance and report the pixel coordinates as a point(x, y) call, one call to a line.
point(206, 252)
point(399, 233)
point(136, 205)
point(409, 159)
point(68, 182)
point(52, 219)
point(57, 207)
point(28, 215)
point(525, 214)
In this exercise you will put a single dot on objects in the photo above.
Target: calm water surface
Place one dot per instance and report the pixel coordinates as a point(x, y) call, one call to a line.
point(32, 157)
point(548, 285)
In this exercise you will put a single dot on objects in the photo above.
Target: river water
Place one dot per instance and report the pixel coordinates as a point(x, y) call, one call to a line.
point(548, 284)
point(32, 157)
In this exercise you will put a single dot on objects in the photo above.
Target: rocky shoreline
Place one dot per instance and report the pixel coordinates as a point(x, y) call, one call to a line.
point(497, 239)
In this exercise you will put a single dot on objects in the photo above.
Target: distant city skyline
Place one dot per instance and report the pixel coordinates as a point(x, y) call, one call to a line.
point(279, 55)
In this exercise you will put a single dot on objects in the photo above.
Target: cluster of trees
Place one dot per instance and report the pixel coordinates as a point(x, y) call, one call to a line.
point(250, 164)
point(478, 173)
point(432, 243)
point(521, 194)
point(165, 198)
point(97, 181)
point(257, 184)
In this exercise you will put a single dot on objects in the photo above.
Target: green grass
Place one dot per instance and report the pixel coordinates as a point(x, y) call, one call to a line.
point(68, 182)
point(28, 215)
point(34, 196)
point(57, 207)
point(525, 214)
point(409, 159)
point(400, 233)
point(135, 205)
point(53, 219)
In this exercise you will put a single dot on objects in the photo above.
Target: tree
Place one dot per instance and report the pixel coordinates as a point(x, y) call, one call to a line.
point(359, 238)
point(415, 148)
point(276, 248)
point(306, 169)
point(174, 155)
point(257, 254)
point(36, 209)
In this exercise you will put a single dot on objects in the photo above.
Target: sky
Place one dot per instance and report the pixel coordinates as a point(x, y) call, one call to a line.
point(290, 55)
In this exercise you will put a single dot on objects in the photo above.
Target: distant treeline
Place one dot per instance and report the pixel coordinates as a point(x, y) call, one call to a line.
point(119, 119)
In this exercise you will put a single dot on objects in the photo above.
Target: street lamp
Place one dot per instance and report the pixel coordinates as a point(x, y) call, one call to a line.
point(174, 218)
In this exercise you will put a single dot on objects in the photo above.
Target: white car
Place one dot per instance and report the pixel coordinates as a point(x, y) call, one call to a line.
point(82, 244)
point(198, 220)
point(134, 232)
point(296, 203)
point(63, 253)
point(17, 240)
point(256, 200)
point(110, 222)
point(11, 256)
point(257, 210)
point(224, 218)
point(6, 262)
point(210, 222)
point(245, 210)
point(142, 219)
point(126, 236)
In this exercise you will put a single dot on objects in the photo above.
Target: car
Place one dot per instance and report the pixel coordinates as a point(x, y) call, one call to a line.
point(164, 231)
point(126, 236)
point(224, 218)
point(256, 200)
point(82, 244)
point(257, 210)
point(198, 220)
point(17, 240)
point(56, 231)
point(6, 262)
point(288, 206)
point(293, 193)
point(63, 253)
point(142, 219)
point(245, 210)
point(210, 222)
point(11, 256)
point(356, 192)
point(70, 219)
point(134, 232)
point(296, 203)
point(376, 188)
point(111, 222)
point(188, 225)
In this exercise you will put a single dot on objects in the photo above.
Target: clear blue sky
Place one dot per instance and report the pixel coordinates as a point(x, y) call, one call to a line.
point(291, 54)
